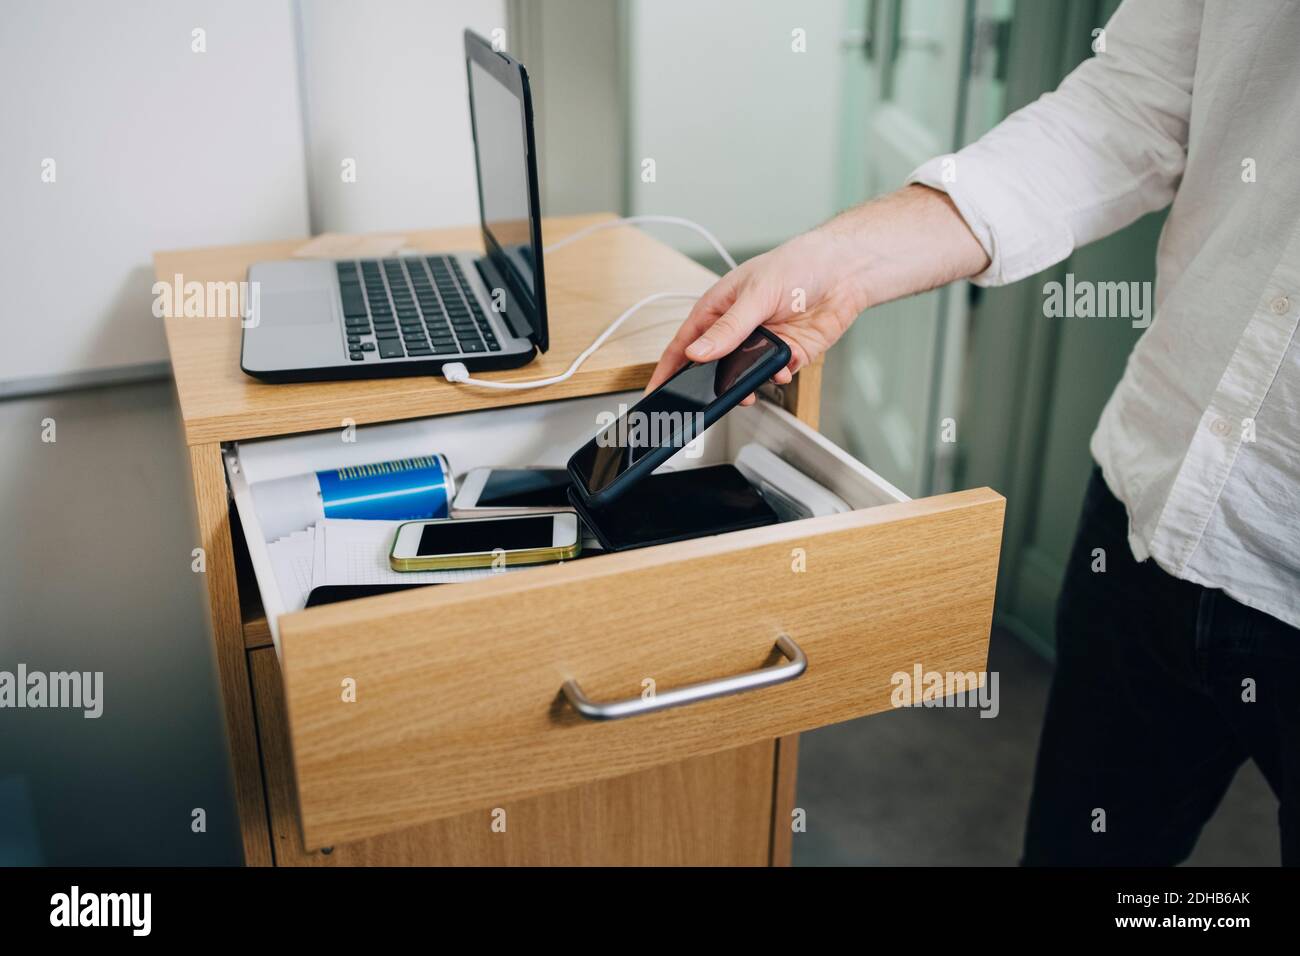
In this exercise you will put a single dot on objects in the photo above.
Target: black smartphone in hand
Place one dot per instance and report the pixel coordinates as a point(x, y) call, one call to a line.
point(669, 418)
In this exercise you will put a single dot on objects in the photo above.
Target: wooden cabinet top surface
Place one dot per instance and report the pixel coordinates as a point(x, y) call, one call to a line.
point(588, 285)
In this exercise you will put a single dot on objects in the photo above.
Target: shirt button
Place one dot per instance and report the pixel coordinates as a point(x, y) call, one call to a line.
point(1220, 427)
point(1280, 305)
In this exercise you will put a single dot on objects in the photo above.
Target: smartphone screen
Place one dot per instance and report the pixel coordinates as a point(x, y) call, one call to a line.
point(474, 537)
point(671, 416)
point(525, 488)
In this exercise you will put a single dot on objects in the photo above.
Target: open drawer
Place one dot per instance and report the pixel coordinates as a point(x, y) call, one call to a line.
point(465, 696)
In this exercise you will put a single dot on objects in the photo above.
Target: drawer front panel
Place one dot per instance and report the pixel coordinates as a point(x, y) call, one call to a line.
point(424, 704)
point(714, 810)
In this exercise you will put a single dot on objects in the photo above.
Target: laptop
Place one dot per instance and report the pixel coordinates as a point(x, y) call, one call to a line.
point(321, 320)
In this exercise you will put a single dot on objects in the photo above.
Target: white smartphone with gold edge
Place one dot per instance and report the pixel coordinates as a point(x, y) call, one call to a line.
point(452, 543)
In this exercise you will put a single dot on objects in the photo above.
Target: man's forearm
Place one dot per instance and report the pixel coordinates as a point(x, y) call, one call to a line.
point(906, 242)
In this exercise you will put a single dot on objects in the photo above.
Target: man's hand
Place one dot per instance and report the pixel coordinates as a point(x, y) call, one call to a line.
point(809, 290)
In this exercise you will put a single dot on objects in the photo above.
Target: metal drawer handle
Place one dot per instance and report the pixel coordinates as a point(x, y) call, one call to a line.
point(796, 663)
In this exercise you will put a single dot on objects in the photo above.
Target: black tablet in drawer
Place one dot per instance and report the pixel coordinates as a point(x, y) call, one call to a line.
point(676, 506)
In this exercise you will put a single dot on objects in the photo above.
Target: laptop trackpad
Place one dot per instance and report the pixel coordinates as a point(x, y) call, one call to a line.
point(304, 307)
point(282, 338)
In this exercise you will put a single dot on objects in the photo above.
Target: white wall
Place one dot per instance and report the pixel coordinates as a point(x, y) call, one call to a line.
point(744, 131)
point(155, 146)
point(158, 147)
point(574, 53)
point(384, 84)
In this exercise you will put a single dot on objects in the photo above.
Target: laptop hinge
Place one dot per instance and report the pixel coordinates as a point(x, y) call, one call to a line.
point(515, 317)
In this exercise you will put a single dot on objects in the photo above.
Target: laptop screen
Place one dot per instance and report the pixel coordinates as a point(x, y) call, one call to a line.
point(501, 149)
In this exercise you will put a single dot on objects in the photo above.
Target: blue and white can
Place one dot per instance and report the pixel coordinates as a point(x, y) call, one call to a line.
point(402, 490)
point(407, 489)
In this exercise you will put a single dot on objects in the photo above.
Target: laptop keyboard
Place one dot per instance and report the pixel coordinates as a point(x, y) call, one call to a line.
point(417, 306)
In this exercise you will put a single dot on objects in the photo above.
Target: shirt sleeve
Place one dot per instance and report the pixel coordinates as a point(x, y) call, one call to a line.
point(1106, 147)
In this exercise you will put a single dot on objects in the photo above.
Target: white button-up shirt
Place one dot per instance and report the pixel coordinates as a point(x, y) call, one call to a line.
point(1198, 103)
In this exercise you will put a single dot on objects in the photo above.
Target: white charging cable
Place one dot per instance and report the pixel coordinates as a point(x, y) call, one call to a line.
point(633, 220)
point(457, 372)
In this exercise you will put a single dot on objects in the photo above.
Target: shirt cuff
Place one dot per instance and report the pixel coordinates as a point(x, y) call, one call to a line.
point(992, 216)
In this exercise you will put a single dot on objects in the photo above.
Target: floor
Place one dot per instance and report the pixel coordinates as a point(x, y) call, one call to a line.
point(945, 787)
point(95, 574)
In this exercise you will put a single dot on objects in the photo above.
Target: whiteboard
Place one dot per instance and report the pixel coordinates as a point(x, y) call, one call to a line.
point(155, 146)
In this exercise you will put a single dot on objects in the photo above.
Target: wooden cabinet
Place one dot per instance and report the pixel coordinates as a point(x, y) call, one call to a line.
point(459, 721)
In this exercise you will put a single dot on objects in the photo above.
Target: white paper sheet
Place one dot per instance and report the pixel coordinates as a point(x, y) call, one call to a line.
point(293, 559)
point(337, 551)
point(356, 552)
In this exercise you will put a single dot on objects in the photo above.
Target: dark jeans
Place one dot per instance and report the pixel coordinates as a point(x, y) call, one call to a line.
point(1147, 719)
